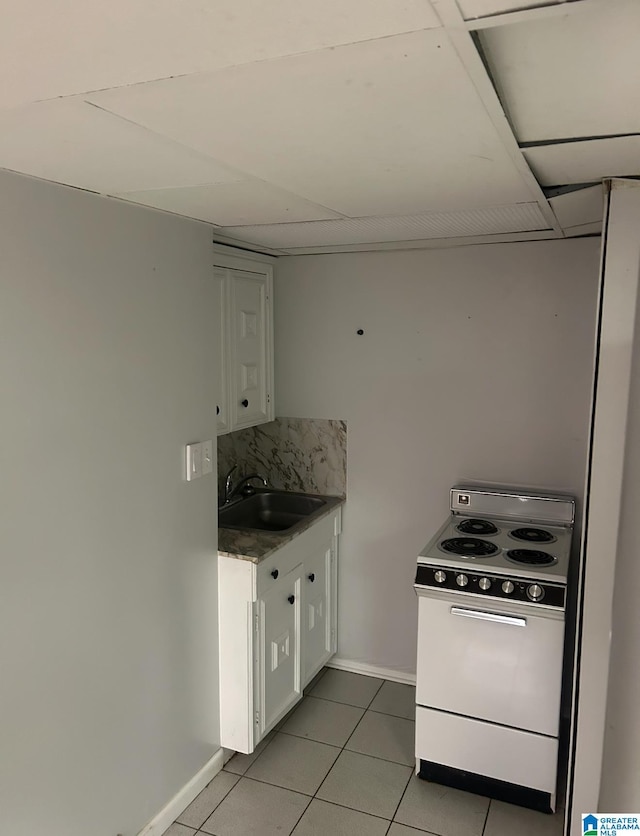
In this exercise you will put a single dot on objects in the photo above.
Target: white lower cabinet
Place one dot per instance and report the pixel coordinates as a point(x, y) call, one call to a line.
point(277, 624)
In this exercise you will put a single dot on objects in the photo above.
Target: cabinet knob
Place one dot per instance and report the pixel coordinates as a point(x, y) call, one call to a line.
point(312, 577)
point(245, 403)
point(217, 410)
point(274, 574)
point(291, 599)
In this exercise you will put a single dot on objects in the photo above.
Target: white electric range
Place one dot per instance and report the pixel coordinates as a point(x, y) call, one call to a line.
point(491, 587)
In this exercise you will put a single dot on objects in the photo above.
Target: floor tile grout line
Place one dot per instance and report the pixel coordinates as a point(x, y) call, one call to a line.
point(341, 702)
point(369, 704)
point(364, 714)
point(354, 751)
point(268, 743)
point(388, 714)
point(375, 695)
point(177, 821)
point(353, 809)
point(362, 707)
point(315, 795)
point(314, 798)
point(486, 818)
point(279, 786)
point(310, 739)
point(334, 702)
point(404, 792)
point(291, 832)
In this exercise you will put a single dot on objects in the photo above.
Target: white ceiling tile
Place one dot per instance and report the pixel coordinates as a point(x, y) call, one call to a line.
point(487, 221)
point(576, 75)
point(72, 142)
point(231, 204)
point(66, 47)
point(583, 206)
point(392, 126)
point(565, 163)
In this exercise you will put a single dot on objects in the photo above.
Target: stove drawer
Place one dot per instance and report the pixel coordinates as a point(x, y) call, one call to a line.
point(518, 757)
point(486, 661)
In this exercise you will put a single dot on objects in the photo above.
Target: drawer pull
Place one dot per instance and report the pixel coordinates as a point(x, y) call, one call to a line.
point(245, 403)
point(274, 574)
point(291, 599)
point(312, 577)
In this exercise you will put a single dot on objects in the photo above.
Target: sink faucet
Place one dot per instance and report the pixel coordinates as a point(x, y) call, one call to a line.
point(228, 485)
point(231, 490)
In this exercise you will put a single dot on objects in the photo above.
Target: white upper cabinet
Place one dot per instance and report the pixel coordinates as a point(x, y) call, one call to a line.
point(250, 392)
point(245, 375)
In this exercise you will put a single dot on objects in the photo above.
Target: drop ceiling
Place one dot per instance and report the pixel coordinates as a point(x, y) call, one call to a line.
point(305, 127)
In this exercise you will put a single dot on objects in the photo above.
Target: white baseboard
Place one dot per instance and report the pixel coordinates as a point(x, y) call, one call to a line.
point(372, 670)
point(179, 803)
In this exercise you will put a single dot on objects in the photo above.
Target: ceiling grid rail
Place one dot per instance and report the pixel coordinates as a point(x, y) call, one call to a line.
point(558, 8)
point(462, 41)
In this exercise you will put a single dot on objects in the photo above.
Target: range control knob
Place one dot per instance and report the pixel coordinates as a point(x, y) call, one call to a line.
point(462, 580)
point(440, 576)
point(484, 584)
point(535, 592)
point(507, 587)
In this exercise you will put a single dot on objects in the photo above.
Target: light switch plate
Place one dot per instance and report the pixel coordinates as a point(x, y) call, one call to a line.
point(193, 461)
point(207, 457)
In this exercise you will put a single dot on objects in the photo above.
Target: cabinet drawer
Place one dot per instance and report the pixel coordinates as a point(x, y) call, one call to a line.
point(273, 570)
point(289, 556)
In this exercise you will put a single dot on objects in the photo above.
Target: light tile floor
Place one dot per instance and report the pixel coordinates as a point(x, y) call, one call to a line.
point(341, 764)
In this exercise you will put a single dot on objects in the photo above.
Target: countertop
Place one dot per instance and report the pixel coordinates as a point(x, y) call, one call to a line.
point(255, 546)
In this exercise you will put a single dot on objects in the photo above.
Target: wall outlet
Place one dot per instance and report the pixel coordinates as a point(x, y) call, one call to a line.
point(193, 461)
point(207, 457)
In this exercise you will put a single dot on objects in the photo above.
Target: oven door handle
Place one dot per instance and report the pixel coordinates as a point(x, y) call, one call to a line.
point(514, 620)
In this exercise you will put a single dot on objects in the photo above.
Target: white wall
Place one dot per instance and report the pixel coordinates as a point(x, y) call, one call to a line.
point(475, 364)
point(108, 662)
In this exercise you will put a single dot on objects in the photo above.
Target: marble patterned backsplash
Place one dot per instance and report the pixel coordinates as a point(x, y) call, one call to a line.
point(295, 454)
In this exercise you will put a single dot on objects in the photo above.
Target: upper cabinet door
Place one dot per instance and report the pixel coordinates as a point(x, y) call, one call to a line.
point(250, 389)
point(222, 323)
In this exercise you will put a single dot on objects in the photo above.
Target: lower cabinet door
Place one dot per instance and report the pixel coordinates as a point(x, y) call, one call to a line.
point(279, 677)
point(317, 623)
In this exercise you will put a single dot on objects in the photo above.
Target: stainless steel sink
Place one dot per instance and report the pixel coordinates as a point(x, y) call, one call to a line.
point(269, 511)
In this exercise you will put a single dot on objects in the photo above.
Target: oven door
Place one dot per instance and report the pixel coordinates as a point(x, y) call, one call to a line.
point(490, 660)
